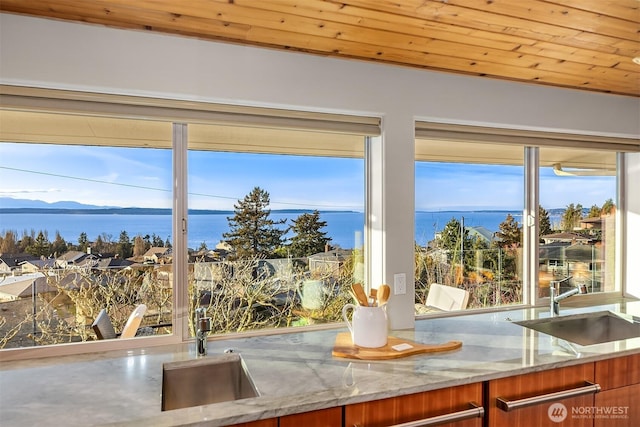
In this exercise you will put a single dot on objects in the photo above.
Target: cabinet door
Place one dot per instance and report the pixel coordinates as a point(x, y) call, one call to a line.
point(402, 409)
point(618, 372)
point(523, 391)
point(331, 417)
point(619, 407)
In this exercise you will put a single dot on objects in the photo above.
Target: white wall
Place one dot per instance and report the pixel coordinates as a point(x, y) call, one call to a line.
point(632, 259)
point(54, 54)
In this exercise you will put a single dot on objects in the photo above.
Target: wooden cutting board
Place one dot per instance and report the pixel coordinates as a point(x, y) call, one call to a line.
point(344, 347)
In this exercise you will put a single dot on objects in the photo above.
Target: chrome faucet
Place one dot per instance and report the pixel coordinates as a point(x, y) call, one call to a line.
point(555, 297)
point(203, 327)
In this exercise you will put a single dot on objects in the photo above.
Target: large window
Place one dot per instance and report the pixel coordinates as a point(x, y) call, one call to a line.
point(469, 205)
point(257, 216)
point(502, 227)
point(92, 231)
point(276, 224)
point(85, 227)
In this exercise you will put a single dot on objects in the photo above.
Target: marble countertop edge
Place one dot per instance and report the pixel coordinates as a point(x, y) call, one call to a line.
point(295, 372)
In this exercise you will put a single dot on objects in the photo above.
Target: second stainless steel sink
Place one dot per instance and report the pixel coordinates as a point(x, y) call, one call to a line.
point(589, 328)
point(206, 380)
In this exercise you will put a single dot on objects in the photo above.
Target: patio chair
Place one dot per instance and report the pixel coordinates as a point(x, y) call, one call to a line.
point(104, 330)
point(443, 298)
point(447, 298)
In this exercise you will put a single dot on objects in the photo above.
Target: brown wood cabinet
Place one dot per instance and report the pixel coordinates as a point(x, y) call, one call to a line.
point(618, 405)
point(567, 394)
point(537, 399)
point(331, 417)
point(402, 409)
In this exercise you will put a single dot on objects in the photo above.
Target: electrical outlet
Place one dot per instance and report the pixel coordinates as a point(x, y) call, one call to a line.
point(399, 284)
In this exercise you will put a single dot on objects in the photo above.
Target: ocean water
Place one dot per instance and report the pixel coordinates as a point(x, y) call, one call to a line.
point(344, 228)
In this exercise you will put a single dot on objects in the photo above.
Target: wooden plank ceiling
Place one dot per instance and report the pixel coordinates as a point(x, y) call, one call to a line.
point(580, 44)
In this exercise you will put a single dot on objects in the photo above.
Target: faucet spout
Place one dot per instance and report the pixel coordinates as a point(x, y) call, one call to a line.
point(203, 327)
point(555, 297)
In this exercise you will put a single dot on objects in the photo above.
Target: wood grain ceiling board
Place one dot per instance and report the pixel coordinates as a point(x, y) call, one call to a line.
point(581, 44)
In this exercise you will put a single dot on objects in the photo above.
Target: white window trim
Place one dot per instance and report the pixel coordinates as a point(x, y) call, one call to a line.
point(180, 113)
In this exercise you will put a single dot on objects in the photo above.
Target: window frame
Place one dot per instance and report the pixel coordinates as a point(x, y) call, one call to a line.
point(532, 141)
point(180, 114)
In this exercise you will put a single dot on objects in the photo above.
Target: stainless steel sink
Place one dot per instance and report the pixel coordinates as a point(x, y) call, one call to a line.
point(206, 380)
point(588, 328)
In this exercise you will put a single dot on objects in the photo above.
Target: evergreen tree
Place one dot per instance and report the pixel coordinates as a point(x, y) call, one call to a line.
point(27, 240)
point(571, 217)
point(510, 234)
point(594, 212)
point(59, 245)
point(147, 242)
point(124, 248)
point(608, 207)
point(308, 238)
point(156, 241)
point(545, 222)
point(252, 233)
point(40, 246)
point(83, 242)
point(450, 240)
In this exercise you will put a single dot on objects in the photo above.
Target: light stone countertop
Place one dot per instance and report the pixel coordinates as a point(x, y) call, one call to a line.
point(294, 372)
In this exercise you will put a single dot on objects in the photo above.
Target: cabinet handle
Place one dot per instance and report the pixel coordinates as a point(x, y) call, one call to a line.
point(509, 405)
point(476, 411)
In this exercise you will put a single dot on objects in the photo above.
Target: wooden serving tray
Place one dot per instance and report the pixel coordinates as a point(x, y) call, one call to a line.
point(344, 347)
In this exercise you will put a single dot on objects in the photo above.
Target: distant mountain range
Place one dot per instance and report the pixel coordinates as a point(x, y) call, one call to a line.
point(10, 205)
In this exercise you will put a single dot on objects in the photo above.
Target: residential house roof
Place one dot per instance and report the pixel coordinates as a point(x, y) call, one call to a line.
point(23, 285)
point(332, 255)
point(14, 260)
point(564, 237)
point(155, 251)
point(37, 264)
point(482, 232)
point(112, 262)
point(72, 256)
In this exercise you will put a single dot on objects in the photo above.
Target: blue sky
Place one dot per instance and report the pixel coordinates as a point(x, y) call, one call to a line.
point(142, 178)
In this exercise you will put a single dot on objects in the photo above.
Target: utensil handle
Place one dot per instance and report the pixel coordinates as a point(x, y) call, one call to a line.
point(360, 294)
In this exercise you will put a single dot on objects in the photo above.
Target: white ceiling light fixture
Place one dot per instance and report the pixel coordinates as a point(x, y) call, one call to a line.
point(557, 169)
point(636, 60)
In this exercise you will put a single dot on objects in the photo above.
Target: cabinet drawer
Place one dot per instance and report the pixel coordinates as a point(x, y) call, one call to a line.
point(537, 398)
point(322, 418)
point(617, 407)
point(419, 406)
